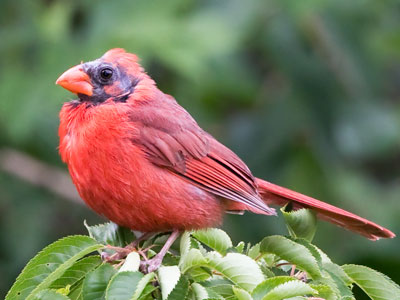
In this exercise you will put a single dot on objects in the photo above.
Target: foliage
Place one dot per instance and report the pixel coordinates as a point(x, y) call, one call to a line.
point(206, 266)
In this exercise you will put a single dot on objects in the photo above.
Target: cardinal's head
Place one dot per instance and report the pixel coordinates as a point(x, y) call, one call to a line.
point(115, 76)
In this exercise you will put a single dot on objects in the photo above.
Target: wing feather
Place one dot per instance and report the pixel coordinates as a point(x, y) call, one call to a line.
point(172, 139)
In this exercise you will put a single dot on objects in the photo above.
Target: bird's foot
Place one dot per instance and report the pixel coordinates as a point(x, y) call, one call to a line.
point(120, 253)
point(151, 265)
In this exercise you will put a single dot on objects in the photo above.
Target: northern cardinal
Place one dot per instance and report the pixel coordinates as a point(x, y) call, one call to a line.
point(139, 159)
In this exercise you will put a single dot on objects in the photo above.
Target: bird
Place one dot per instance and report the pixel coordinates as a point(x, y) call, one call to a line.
point(140, 159)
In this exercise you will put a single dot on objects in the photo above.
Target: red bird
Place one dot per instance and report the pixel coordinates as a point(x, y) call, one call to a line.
point(139, 159)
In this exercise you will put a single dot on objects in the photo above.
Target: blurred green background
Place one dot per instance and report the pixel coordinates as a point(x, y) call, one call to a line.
point(306, 92)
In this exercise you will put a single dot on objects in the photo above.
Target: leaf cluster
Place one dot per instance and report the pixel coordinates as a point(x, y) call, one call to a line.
point(203, 264)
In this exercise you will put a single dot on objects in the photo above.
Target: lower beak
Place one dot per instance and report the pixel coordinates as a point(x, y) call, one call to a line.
point(76, 81)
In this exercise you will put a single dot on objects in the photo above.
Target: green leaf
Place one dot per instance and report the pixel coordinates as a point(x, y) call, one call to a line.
point(48, 294)
point(240, 247)
point(341, 289)
point(174, 285)
point(185, 243)
point(324, 261)
point(290, 289)
point(219, 286)
point(238, 268)
point(95, 283)
point(77, 271)
point(50, 264)
point(76, 291)
point(200, 292)
point(337, 271)
point(325, 291)
point(147, 291)
point(192, 259)
point(214, 238)
point(241, 294)
point(293, 252)
point(132, 263)
point(65, 290)
point(110, 234)
point(266, 286)
point(180, 290)
point(254, 251)
point(123, 285)
point(140, 288)
point(199, 274)
point(376, 285)
point(301, 223)
point(313, 250)
point(168, 278)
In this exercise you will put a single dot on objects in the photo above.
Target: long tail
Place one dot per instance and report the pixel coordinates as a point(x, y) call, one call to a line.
point(274, 194)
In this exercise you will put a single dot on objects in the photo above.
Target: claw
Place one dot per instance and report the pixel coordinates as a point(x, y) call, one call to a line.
point(151, 265)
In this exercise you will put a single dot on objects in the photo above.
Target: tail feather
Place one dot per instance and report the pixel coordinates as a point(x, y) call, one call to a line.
point(274, 194)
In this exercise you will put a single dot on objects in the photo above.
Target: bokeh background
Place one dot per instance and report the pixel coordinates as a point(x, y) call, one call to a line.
point(306, 92)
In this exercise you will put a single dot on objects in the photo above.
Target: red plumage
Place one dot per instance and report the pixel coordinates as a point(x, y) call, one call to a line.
point(138, 158)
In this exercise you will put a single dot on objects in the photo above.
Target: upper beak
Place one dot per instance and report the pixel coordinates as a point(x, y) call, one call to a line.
point(76, 81)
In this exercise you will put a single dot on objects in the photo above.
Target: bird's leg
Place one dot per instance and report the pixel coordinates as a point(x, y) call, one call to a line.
point(143, 237)
point(120, 252)
point(154, 263)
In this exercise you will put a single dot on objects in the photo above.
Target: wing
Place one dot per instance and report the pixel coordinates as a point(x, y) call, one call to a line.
point(172, 139)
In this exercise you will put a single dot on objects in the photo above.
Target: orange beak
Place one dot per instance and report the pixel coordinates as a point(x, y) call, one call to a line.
point(76, 81)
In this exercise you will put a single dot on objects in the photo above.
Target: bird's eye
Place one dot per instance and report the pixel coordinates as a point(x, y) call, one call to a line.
point(106, 73)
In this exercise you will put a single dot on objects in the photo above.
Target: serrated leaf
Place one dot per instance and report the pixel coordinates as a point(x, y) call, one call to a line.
point(340, 288)
point(290, 289)
point(375, 284)
point(199, 291)
point(140, 288)
point(95, 282)
point(122, 285)
point(241, 294)
point(132, 263)
point(301, 223)
point(266, 286)
point(238, 268)
point(335, 269)
point(324, 261)
point(199, 274)
point(325, 291)
point(147, 291)
point(267, 271)
point(50, 264)
point(278, 272)
point(48, 294)
point(219, 286)
point(77, 271)
point(180, 290)
point(292, 252)
point(185, 243)
point(240, 247)
point(192, 259)
point(214, 238)
point(110, 234)
point(313, 250)
point(168, 278)
point(254, 251)
point(76, 291)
